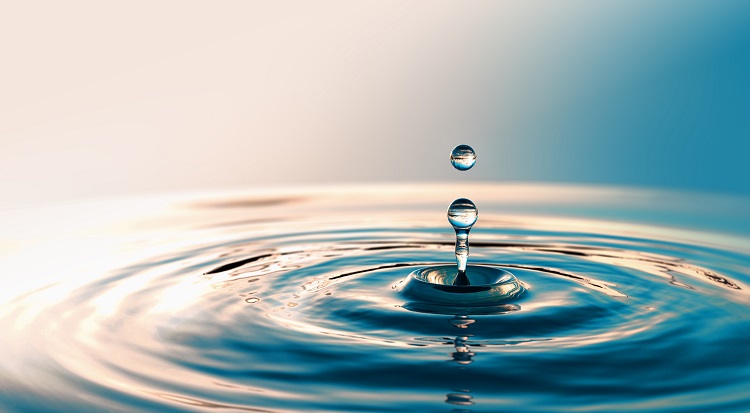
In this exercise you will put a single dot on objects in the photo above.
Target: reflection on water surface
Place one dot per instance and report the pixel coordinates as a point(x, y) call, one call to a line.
point(285, 301)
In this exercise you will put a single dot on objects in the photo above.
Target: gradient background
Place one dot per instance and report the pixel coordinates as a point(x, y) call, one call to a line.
point(101, 99)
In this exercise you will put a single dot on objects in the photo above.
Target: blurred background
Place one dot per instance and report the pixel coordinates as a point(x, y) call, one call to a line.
point(102, 99)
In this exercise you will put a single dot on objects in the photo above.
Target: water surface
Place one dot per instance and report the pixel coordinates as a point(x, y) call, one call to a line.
point(288, 301)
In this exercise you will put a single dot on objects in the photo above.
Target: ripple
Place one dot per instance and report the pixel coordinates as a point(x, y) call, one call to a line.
point(307, 316)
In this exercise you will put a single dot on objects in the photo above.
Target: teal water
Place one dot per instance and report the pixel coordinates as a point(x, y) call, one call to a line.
point(288, 301)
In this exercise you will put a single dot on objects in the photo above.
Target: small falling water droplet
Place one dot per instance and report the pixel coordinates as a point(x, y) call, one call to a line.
point(463, 157)
point(252, 300)
point(462, 214)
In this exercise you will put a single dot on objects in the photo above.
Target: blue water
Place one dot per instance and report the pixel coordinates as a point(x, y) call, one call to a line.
point(289, 302)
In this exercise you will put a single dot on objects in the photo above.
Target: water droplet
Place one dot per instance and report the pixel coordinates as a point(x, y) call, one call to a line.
point(252, 300)
point(463, 157)
point(462, 214)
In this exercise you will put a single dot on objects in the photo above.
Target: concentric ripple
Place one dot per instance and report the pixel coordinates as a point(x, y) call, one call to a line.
point(291, 303)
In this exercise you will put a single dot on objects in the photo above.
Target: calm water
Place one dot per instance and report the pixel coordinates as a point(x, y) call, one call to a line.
point(288, 301)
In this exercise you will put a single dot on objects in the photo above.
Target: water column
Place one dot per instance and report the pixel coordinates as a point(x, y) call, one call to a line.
point(462, 213)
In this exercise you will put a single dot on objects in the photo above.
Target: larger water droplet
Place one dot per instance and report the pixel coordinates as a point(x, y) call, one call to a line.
point(462, 213)
point(463, 157)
